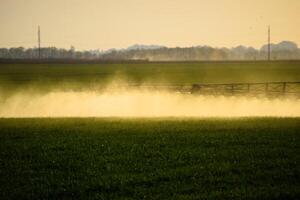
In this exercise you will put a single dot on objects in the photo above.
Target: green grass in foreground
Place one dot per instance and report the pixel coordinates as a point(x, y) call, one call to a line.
point(249, 158)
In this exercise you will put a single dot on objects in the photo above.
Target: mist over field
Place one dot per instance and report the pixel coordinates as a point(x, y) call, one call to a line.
point(124, 102)
point(103, 90)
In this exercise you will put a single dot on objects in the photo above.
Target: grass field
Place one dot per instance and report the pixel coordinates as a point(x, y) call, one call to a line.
point(242, 158)
point(82, 76)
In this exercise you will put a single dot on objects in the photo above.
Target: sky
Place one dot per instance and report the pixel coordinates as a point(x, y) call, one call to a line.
point(104, 24)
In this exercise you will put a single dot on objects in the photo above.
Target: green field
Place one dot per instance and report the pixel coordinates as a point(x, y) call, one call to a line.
point(91, 76)
point(158, 158)
point(246, 158)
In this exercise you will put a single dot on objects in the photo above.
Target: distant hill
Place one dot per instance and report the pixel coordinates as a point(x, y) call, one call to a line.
point(144, 47)
point(282, 46)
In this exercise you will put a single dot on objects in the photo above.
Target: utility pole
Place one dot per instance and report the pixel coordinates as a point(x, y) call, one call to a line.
point(39, 41)
point(269, 44)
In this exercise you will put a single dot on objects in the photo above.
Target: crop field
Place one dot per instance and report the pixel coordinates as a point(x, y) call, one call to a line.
point(93, 76)
point(61, 137)
point(111, 158)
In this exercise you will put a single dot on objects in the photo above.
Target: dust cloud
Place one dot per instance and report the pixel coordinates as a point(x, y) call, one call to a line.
point(140, 103)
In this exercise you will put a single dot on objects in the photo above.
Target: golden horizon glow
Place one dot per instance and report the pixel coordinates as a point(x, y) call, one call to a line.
point(107, 24)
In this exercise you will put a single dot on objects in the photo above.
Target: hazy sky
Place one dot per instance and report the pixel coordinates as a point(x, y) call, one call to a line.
point(103, 24)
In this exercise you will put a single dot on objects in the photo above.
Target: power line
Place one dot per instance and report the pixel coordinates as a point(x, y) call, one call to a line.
point(39, 41)
point(269, 43)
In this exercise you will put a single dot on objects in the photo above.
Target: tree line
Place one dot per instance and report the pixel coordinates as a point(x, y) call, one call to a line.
point(281, 51)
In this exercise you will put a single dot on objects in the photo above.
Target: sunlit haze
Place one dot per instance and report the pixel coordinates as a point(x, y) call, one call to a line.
point(136, 103)
point(104, 24)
